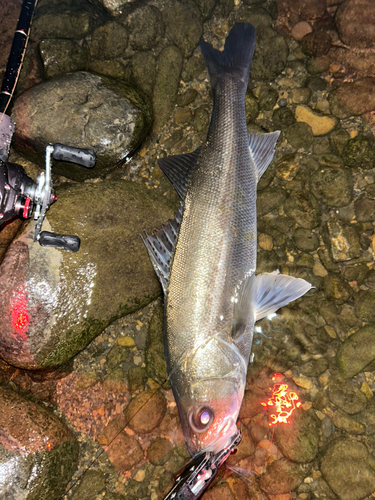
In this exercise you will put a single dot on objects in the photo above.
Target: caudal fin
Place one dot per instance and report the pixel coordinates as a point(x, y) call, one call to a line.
point(236, 56)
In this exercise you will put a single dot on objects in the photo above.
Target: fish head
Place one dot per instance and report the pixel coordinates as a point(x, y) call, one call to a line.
point(209, 415)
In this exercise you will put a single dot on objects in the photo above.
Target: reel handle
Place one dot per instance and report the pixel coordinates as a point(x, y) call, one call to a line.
point(60, 241)
point(84, 157)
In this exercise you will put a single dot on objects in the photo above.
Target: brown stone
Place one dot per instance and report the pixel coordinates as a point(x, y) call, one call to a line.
point(145, 411)
point(355, 23)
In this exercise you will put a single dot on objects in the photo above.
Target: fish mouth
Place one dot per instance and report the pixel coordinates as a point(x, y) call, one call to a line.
point(224, 434)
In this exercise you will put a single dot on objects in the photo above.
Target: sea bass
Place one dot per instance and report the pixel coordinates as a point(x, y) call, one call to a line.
point(206, 257)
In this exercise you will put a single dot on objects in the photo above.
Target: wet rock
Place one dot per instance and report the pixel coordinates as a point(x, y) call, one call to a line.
point(206, 7)
point(102, 114)
point(304, 9)
point(316, 83)
point(299, 135)
point(359, 153)
point(316, 44)
point(144, 71)
point(146, 27)
point(299, 442)
point(352, 14)
point(137, 378)
point(145, 411)
point(38, 453)
point(270, 56)
point(267, 99)
point(329, 160)
point(115, 6)
point(183, 22)
point(357, 351)
point(346, 396)
point(300, 30)
point(108, 41)
point(303, 208)
point(314, 368)
point(332, 186)
point(341, 420)
point(166, 85)
point(320, 124)
point(194, 67)
point(343, 241)
point(159, 451)
point(305, 240)
point(301, 95)
point(201, 120)
point(281, 477)
point(91, 484)
point(283, 118)
point(336, 288)
point(270, 199)
point(120, 441)
point(72, 19)
point(156, 365)
point(287, 166)
point(363, 302)
point(353, 98)
point(53, 303)
point(62, 56)
point(348, 469)
point(365, 209)
point(187, 97)
point(220, 490)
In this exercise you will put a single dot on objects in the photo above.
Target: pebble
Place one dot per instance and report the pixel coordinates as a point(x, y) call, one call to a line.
point(320, 124)
point(300, 30)
point(126, 341)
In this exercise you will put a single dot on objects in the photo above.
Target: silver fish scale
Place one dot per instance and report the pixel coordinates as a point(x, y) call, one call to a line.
point(216, 247)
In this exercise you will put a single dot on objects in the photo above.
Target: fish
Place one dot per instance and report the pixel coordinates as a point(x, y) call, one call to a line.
point(205, 258)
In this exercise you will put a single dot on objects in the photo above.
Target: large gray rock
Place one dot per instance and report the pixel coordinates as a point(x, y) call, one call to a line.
point(82, 110)
point(38, 453)
point(53, 303)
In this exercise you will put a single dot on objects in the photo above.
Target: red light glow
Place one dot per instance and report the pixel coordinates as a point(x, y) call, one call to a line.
point(284, 401)
point(20, 317)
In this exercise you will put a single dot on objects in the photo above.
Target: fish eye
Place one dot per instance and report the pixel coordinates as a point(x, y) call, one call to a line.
point(201, 419)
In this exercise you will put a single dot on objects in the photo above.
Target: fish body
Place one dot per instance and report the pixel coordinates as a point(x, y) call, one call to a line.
point(206, 257)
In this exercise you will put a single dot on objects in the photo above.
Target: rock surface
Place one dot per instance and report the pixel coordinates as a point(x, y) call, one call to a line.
point(86, 111)
point(38, 453)
point(53, 303)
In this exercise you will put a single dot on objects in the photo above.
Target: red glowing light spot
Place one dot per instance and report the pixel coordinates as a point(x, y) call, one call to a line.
point(20, 317)
point(49, 446)
point(284, 401)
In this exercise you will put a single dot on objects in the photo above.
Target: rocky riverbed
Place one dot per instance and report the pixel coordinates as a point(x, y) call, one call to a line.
point(86, 408)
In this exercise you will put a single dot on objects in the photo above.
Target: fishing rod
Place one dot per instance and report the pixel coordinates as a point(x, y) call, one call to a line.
point(19, 194)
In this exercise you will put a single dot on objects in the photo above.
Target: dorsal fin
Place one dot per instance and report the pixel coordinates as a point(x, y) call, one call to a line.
point(262, 149)
point(178, 169)
point(161, 246)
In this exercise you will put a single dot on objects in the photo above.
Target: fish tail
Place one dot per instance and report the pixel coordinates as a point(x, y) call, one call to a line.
point(236, 56)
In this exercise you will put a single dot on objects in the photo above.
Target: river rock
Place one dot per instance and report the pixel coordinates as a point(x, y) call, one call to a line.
point(38, 453)
point(82, 110)
point(146, 27)
point(303, 208)
point(156, 364)
point(357, 351)
point(282, 476)
point(167, 82)
point(353, 98)
point(359, 152)
point(333, 186)
point(108, 41)
point(346, 396)
point(53, 303)
point(61, 56)
point(298, 442)
point(320, 124)
point(365, 209)
point(72, 19)
point(145, 411)
point(343, 241)
point(353, 14)
point(183, 22)
point(348, 469)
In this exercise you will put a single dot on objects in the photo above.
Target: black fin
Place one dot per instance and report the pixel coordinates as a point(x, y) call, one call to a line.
point(236, 56)
point(178, 169)
point(262, 149)
point(161, 247)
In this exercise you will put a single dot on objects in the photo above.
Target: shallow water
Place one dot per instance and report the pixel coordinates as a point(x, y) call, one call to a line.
point(316, 213)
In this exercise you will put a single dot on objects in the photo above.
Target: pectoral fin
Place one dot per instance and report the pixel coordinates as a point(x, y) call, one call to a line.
point(178, 169)
point(275, 290)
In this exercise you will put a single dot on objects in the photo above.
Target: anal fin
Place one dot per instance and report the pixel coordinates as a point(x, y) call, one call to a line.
point(262, 149)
